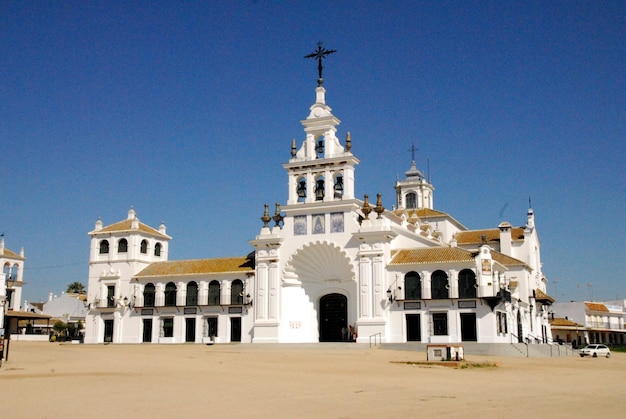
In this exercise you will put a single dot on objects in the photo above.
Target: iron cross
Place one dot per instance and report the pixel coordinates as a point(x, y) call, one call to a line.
point(318, 55)
point(413, 149)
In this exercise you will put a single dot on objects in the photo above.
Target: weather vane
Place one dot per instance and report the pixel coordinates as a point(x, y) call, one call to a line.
point(319, 54)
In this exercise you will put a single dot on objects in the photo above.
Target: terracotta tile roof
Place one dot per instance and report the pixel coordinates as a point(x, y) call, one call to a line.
point(198, 267)
point(542, 296)
point(431, 255)
point(491, 235)
point(427, 212)
point(126, 225)
point(564, 322)
point(505, 259)
point(10, 254)
point(446, 254)
point(596, 307)
point(421, 213)
point(26, 315)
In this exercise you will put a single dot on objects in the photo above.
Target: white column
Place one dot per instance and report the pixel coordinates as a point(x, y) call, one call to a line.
point(365, 280)
point(379, 292)
point(260, 300)
point(273, 284)
point(453, 281)
point(426, 291)
point(181, 294)
point(203, 293)
point(224, 292)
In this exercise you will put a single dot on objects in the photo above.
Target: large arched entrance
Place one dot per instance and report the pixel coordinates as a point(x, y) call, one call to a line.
point(333, 317)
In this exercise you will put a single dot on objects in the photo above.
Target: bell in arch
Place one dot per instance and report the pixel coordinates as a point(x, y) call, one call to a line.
point(319, 148)
point(301, 189)
point(339, 184)
point(319, 190)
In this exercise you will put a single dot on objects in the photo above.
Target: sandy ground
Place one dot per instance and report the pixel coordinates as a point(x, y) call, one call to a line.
point(53, 380)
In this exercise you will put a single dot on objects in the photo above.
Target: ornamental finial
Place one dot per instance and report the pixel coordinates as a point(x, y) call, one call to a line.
point(266, 216)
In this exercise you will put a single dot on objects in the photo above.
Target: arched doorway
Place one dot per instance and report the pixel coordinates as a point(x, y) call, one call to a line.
point(333, 317)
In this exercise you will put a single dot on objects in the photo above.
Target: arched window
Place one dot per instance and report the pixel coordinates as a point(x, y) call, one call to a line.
point(170, 294)
point(6, 270)
point(149, 295)
point(214, 293)
point(236, 292)
point(411, 200)
point(439, 285)
point(14, 272)
point(467, 284)
point(412, 286)
point(122, 246)
point(144, 247)
point(104, 247)
point(192, 294)
point(157, 249)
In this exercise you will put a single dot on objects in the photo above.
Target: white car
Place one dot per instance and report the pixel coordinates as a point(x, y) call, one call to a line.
point(595, 350)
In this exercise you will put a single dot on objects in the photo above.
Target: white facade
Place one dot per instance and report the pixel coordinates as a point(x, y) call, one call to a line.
point(12, 278)
point(327, 267)
point(596, 322)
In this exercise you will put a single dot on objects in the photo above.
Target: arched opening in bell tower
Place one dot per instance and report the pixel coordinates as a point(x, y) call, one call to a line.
point(301, 189)
point(319, 188)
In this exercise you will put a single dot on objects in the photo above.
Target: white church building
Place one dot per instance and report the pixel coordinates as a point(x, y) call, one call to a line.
point(326, 266)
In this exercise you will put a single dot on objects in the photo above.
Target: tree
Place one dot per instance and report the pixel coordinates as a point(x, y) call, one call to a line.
point(59, 327)
point(76, 287)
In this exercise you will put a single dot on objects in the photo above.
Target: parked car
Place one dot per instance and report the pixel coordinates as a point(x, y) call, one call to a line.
point(595, 350)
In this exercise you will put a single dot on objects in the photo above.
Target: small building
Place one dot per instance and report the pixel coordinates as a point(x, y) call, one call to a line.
point(565, 330)
point(593, 322)
point(12, 277)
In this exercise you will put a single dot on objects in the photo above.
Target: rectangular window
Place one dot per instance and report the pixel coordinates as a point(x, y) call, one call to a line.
point(501, 325)
point(440, 324)
point(168, 327)
point(299, 225)
point(111, 296)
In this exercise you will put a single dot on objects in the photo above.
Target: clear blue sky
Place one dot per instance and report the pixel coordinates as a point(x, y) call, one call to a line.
point(186, 111)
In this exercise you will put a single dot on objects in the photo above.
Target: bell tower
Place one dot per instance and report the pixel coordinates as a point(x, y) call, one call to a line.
point(414, 192)
point(321, 170)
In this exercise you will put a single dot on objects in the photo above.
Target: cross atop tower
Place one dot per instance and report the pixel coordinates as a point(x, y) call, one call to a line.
point(413, 149)
point(318, 55)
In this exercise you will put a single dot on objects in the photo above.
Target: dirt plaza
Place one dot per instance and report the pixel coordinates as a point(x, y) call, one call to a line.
point(55, 380)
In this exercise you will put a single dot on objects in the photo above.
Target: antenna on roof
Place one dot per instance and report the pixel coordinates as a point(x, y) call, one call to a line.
point(428, 169)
